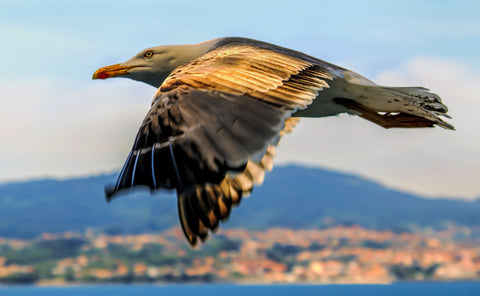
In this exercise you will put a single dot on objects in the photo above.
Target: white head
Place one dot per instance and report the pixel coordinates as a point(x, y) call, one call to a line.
point(154, 64)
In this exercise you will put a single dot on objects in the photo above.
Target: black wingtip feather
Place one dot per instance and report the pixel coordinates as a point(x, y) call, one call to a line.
point(109, 192)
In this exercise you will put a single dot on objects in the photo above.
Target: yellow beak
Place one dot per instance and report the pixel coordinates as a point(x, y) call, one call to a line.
point(111, 71)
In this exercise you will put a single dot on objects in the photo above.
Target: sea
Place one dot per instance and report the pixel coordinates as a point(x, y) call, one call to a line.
point(397, 289)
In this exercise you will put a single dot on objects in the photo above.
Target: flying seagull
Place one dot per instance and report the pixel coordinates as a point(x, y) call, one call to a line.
point(221, 107)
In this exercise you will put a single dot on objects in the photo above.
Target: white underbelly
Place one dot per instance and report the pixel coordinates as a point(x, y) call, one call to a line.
point(323, 105)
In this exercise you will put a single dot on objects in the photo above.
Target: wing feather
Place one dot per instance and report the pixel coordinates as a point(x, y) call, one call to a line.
point(247, 70)
point(233, 187)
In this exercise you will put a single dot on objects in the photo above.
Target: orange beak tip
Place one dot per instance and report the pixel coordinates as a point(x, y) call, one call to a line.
point(111, 71)
point(100, 75)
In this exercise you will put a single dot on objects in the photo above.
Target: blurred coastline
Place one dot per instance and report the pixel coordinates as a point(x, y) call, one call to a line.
point(335, 255)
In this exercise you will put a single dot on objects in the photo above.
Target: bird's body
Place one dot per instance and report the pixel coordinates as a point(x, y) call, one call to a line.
point(221, 108)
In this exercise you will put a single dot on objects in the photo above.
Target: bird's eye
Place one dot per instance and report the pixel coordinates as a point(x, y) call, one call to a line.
point(148, 54)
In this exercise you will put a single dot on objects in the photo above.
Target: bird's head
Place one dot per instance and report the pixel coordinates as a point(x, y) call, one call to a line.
point(154, 64)
point(151, 66)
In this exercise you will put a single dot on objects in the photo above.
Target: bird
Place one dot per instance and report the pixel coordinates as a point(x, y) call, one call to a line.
point(221, 108)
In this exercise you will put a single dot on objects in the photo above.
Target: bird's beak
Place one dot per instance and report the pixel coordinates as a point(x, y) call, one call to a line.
point(111, 71)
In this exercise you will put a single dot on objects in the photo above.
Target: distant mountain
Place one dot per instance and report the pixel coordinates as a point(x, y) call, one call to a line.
point(292, 196)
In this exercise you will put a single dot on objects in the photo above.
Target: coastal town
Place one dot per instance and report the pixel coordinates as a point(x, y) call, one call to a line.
point(339, 254)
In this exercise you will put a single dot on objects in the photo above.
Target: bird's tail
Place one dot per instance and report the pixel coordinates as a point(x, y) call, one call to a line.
point(399, 107)
point(421, 102)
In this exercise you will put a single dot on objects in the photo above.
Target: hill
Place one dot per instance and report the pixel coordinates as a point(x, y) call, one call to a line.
point(292, 196)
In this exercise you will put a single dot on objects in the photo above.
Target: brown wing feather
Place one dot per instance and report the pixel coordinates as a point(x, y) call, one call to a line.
point(264, 74)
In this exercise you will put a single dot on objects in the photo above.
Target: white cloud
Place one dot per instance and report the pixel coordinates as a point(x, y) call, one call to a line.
point(64, 129)
point(427, 161)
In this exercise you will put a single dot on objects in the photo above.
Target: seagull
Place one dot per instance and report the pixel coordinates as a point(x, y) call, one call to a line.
point(221, 107)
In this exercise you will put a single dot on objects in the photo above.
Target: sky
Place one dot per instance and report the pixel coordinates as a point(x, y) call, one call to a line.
point(57, 122)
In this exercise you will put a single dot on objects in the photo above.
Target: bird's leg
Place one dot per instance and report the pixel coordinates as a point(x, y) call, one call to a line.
point(386, 120)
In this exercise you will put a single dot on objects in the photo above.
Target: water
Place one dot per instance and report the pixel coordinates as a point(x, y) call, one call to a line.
point(410, 289)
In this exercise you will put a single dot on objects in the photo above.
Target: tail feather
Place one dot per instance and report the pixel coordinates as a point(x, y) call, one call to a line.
point(389, 107)
point(421, 102)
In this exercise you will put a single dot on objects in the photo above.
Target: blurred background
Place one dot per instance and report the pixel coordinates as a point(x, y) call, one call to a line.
point(369, 192)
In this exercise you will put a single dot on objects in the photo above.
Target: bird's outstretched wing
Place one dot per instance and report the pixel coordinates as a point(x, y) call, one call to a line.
point(213, 126)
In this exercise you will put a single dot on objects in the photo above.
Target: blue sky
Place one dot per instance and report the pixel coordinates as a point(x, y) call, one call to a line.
point(56, 121)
